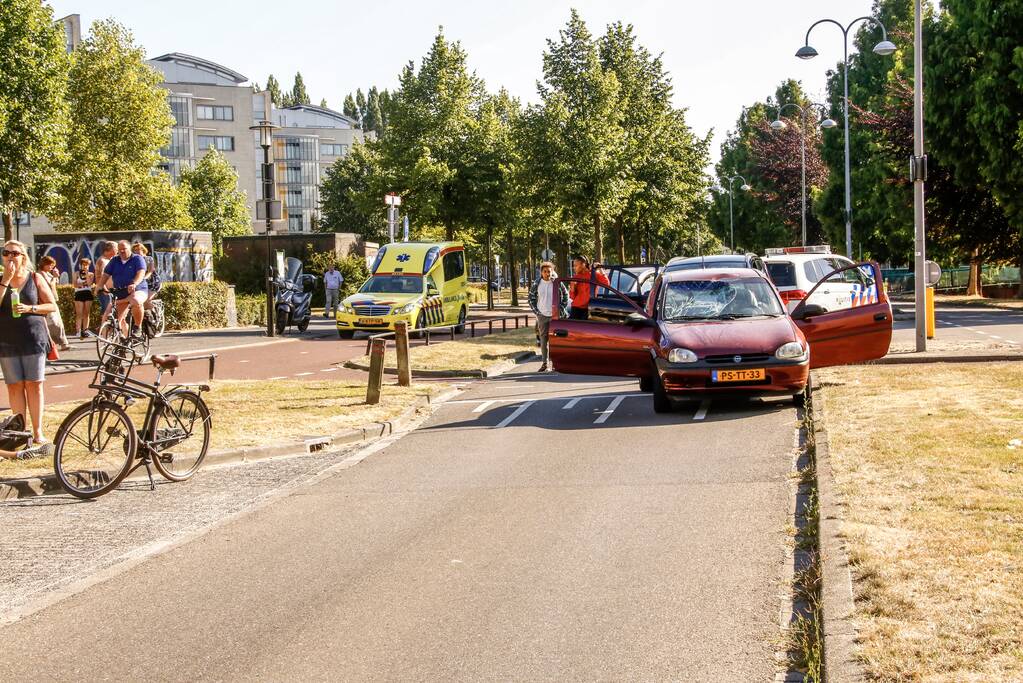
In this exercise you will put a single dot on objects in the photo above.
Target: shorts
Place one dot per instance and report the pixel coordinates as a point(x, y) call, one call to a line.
point(104, 301)
point(84, 295)
point(28, 368)
point(139, 295)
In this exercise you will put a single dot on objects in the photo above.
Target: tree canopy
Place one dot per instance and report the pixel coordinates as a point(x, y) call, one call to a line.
point(214, 201)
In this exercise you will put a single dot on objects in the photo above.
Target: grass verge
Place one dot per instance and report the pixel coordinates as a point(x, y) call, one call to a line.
point(263, 413)
point(465, 354)
point(934, 516)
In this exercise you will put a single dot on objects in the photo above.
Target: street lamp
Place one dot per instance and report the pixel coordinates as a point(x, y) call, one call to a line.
point(778, 124)
point(731, 220)
point(884, 48)
point(269, 208)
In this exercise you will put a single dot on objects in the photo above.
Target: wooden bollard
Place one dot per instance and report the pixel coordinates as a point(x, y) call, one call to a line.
point(376, 371)
point(401, 347)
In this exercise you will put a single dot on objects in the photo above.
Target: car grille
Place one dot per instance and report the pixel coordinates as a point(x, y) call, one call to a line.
point(372, 311)
point(729, 358)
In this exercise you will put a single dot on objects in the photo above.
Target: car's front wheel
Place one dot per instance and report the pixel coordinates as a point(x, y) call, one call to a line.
point(662, 404)
point(346, 334)
point(646, 384)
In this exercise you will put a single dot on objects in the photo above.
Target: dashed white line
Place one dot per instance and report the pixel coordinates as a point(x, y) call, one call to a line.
point(994, 336)
point(702, 411)
point(571, 404)
point(329, 370)
point(61, 386)
point(511, 418)
point(277, 377)
point(243, 361)
point(303, 352)
point(302, 374)
point(602, 418)
point(483, 406)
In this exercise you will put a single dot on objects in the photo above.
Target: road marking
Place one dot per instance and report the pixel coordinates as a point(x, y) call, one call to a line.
point(302, 374)
point(483, 406)
point(278, 377)
point(702, 411)
point(511, 418)
point(303, 352)
point(602, 418)
point(243, 361)
point(329, 370)
point(571, 404)
point(62, 386)
point(994, 336)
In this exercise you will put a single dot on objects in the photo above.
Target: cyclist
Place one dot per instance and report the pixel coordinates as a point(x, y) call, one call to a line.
point(128, 273)
point(152, 278)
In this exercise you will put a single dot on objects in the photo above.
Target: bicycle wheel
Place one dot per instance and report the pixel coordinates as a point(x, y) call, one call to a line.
point(94, 449)
point(107, 333)
point(181, 435)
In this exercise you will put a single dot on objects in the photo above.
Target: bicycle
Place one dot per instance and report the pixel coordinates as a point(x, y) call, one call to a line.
point(110, 330)
point(97, 445)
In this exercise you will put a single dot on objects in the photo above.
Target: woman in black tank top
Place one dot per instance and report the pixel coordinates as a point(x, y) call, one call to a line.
point(24, 340)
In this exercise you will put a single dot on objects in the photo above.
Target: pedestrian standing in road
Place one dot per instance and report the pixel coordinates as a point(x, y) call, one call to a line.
point(84, 296)
point(54, 323)
point(109, 249)
point(541, 300)
point(24, 340)
point(332, 281)
point(580, 291)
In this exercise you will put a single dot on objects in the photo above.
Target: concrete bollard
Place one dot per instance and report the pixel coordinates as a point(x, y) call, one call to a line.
point(401, 347)
point(376, 371)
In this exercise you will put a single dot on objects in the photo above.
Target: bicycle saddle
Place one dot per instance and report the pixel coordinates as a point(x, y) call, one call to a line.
point(168, 362)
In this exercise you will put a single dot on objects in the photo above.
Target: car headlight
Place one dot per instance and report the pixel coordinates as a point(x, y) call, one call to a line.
point(681, 356)
point(347, 308)
point(791, 351)
point(407, 308)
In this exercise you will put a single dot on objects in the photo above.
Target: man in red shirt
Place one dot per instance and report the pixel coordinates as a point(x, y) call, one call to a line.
point(579, 292)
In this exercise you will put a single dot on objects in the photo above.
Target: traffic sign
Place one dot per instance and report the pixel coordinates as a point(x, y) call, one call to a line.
point(392, 199)
point(932, 273)
point(547, 255)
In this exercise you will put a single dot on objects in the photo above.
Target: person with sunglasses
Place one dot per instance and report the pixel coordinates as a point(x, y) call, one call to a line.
point(24, 339)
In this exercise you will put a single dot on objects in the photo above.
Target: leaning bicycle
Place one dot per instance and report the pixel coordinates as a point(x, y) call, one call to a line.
point(97, 445)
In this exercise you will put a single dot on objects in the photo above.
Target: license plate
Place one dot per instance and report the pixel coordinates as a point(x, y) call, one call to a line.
point(371, 321)
point(750, 375)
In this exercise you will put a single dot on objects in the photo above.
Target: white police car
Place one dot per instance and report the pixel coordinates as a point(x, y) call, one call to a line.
point(796, 270)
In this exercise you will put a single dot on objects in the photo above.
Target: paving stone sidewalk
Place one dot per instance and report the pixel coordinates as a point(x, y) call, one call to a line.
point(51, 542)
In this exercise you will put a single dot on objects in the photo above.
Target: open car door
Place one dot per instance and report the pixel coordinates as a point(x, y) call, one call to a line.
point(608, 343)
point(860, 331)
point(630, 282)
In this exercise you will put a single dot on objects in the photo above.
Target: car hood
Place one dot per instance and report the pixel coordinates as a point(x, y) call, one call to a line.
point(381, 299)
point(753, 335)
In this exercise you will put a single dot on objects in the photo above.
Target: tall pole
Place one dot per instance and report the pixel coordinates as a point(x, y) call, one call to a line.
point(845, 116)
point(919, 166)
point(802, 153)
point(268, 195)
point(731, 221)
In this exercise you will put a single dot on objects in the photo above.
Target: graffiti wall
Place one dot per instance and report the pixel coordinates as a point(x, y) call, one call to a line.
point(180, 256)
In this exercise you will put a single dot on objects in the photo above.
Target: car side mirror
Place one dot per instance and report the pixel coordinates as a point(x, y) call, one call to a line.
point(808, 311)
point(432, 291)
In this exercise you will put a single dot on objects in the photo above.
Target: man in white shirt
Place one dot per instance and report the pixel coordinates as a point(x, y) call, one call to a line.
point(541, 300)
point(332, 280)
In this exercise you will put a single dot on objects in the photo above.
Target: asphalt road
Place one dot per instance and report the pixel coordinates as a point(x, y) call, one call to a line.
point(968, 325)
point(536, 528)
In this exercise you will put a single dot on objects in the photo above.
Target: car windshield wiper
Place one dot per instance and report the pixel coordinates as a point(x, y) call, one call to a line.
point(691, 317)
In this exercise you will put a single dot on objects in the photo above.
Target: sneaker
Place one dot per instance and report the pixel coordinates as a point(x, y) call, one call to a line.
point(83, 335)
point(543, 368)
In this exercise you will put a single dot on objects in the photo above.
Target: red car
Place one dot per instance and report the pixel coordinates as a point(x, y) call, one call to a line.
point(723, 331)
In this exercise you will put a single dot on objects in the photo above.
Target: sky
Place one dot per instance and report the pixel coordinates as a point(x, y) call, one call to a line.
point(721, 54)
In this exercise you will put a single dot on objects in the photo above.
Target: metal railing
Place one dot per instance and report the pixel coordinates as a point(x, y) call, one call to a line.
point(900, 280)
point(449, 330)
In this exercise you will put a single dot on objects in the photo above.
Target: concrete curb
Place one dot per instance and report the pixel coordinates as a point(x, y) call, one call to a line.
point(910, 359)
point(837, 604)
point(489, 371)
point(30, 487)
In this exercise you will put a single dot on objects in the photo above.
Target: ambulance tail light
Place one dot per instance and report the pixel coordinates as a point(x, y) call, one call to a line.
point(791, 295)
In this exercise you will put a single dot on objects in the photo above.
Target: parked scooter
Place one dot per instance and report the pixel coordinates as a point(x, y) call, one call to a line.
point(294, 297)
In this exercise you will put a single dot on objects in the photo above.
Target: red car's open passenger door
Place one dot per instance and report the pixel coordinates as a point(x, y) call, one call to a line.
point(856, 334)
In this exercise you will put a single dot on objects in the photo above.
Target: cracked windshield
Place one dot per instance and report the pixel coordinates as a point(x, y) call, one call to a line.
point(719, 300)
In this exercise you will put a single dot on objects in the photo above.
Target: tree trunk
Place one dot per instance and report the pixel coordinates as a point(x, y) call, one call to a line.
point(449, 232)
point(513, 269)
point(598, 240)
point(1019, 264)
point(490, 268)
point(973, 287)
point(8, 227)
point(620, 237)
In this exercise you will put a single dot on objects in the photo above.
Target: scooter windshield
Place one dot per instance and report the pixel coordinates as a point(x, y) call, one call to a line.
point(293, 269)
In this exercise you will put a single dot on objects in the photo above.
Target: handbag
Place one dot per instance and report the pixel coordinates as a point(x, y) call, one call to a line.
point(51, 353)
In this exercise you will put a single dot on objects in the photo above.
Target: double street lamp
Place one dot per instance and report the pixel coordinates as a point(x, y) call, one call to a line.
point(884, 48)
point(270, 209)
point(731, 219)
point(826, 123)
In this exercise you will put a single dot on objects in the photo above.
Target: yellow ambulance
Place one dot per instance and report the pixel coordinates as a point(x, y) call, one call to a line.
point(422, 283)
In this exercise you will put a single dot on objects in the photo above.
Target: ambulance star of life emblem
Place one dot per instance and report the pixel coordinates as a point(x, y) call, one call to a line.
point(404, 257)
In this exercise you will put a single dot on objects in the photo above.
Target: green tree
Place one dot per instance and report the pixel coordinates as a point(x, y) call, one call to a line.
point(298, 91)
point(360, 104)
point(374, 118)
point(274, 88)
point(33, 114)
point(323, 102)
point(351, 194)
point(583, 128)
point(214, 201)
point(119, 120)
point(350, 110)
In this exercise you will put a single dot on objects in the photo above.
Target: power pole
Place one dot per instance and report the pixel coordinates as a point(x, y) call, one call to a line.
point(919, 176)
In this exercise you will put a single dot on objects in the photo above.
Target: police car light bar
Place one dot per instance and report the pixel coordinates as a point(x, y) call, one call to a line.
point(815, 249)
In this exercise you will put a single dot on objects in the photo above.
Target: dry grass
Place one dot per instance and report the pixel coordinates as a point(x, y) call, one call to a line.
point(943, 345)
point(934, 516)
point(263, 413)
point(963, 300)
point(465, 354)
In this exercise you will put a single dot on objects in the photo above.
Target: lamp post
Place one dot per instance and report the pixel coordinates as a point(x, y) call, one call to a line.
point(270, 209)
point(884, 48)
point(731, 220)
point(778, 124)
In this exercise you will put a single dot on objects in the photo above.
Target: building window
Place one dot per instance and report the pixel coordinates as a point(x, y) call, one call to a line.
point(293, 175)
point(294, 222)
point(224, 143)
point(215, 112)
point(179, 108)
point(294, 148)
point(333, 150)
point(180, 143)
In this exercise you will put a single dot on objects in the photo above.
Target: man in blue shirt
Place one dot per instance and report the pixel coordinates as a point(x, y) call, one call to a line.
point(127, 271)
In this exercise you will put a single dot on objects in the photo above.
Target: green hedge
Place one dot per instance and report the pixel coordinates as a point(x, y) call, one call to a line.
point(251, 309)
point(187, 305)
